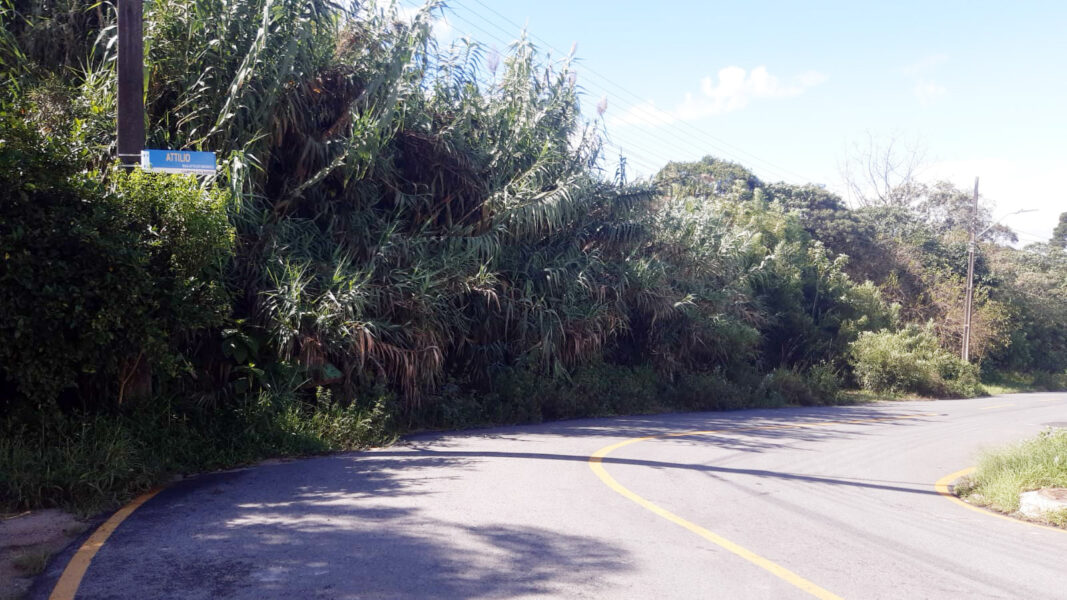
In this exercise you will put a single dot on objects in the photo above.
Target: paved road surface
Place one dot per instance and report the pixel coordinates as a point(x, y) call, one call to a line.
point(830, 502)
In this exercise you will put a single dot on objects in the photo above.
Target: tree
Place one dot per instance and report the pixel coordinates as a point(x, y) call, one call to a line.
point(829, 221)
point(1059, 234)
point(947, 208)
point(709, 176)
point(884, 172)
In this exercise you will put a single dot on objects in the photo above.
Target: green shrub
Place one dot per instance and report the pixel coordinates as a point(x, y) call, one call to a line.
point(911, 361)
point(788, 387)
point(602, 389)
point(520, 395)
point(1008, 382)
point(820, 386)
point(100, 287)
point(826, 383)
point(1050, 382)
point(709, 391)
point(338, 426)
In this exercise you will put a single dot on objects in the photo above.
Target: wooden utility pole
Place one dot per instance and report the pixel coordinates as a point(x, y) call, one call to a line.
point(970, 278)
point(131, 81)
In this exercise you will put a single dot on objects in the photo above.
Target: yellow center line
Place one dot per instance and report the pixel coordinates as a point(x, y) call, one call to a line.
point(596, 463)
point(944, 487)
point(996, 406)
point(71, 579)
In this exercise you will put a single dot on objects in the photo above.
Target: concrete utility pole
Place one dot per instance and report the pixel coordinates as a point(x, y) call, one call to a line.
point(131, 81)
point(972, 247)
point(970, 278)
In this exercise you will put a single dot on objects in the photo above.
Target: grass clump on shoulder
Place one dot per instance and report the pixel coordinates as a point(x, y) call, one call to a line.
point(1003, 474)
point(87, 463)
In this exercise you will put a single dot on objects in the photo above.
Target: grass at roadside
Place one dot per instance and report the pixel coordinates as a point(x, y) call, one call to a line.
point(1017, 383)
point(868, 396)
point(33, 561)
point(1002, 474)
point(90, 463)
point(87, 464)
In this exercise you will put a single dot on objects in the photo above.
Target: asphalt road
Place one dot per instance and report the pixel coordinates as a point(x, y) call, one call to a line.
point(791, 503)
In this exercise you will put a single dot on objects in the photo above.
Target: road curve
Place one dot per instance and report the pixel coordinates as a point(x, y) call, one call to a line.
point(790, 503)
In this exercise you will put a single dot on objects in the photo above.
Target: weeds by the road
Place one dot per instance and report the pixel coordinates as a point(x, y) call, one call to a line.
point(33, 561)
point(1005, 473)
point(86, 464)
point(1016, 383)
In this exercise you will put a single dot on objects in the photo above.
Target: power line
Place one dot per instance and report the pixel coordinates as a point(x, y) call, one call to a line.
point(674, 141)
point(648, 162)
point(644, 162)
point(641, 101)
point(1032, 236)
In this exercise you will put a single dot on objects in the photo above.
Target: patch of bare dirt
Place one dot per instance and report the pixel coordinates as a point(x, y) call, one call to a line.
point(1058, 494)
point(27, 541)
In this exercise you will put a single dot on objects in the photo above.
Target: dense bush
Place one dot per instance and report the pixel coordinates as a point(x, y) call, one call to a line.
point(821, 385)
point(101, 285)
point(713, 391)
point(911, 361)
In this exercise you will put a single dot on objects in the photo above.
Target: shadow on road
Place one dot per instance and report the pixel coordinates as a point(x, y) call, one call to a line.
point(319, 529)
point(791, 420)
point(920, 488)
point(358, 525)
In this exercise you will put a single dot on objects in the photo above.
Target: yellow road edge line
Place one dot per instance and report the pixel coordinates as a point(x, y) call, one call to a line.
point(944, 487)
point(71, 579)
point(596, 463)
point(997, 406)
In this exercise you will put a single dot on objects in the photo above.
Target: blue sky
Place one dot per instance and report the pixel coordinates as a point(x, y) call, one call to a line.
point(787, 88)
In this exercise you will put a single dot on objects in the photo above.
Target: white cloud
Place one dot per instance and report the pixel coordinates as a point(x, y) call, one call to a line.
point(924, 88)
point(645, 113)
point(928, 91)
point(924, 65)
point(811, 78)
point(734, 88)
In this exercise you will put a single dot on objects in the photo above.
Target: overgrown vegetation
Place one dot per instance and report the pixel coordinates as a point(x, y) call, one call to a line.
point(910, 360)
point(403, 236)
point(89, 462)
point(1003, 474)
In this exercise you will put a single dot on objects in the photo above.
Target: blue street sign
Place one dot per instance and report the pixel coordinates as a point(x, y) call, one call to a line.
point(178, 161)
